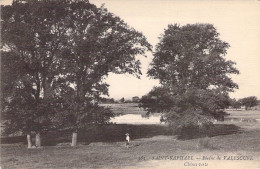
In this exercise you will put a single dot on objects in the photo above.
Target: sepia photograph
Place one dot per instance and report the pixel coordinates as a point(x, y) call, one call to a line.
point(130, 84)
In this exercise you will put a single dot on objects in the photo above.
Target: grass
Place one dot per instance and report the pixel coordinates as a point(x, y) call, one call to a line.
point(244, 114)
point(105, 133)
point(103, 147)
point(116, 133)
point(115, 155)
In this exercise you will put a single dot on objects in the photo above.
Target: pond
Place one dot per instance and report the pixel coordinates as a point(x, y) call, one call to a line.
point(245, 117)
point(137, 119)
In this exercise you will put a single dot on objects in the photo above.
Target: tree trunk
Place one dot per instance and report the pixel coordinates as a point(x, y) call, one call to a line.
point(29, 141)
point(47, 90)
point(38, 140)
point(74, 139)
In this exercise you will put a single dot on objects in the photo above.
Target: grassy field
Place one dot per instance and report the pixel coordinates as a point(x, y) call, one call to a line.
point(250, 114)
point(151, 146)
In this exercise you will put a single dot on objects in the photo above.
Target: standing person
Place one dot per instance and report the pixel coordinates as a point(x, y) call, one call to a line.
point(127, 140)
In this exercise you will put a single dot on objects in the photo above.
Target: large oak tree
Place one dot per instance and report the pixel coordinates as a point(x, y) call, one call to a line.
point(33, 36)
point(99, 43)
point(58, 54)
point(190, 63)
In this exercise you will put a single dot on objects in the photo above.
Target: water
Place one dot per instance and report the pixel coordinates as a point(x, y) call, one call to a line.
point(136, 119)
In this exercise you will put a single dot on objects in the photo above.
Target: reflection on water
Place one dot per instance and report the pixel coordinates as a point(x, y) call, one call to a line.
point(136, 119)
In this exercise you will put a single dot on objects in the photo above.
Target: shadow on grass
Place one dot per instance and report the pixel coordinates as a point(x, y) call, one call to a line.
point(116, 132)
point(101, 133)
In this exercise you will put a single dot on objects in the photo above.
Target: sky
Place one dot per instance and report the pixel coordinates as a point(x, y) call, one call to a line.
point(238, 23)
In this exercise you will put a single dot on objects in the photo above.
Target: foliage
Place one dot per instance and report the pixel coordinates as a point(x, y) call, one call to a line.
point(58, 53)
point(106, 100)
point(74, 114)
point(122, 100)
point(33, 36)
point(135, 99)
point(189, 62)
point(235, 103)
point(61, 48)
point(99, 42)
point(249, 101)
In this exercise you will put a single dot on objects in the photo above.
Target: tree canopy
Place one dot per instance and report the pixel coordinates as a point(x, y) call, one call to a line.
point(249, 101)
point(33, 36)
point(58, 53)
point(99, 43)
point(194, 75)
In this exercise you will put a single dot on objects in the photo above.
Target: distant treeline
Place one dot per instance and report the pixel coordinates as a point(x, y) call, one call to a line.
point(245, 103)
point(122, 100)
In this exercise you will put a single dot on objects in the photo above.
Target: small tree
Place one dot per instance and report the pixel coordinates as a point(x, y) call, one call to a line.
point(189, 62)
point(249, 101)
point(122, 100)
